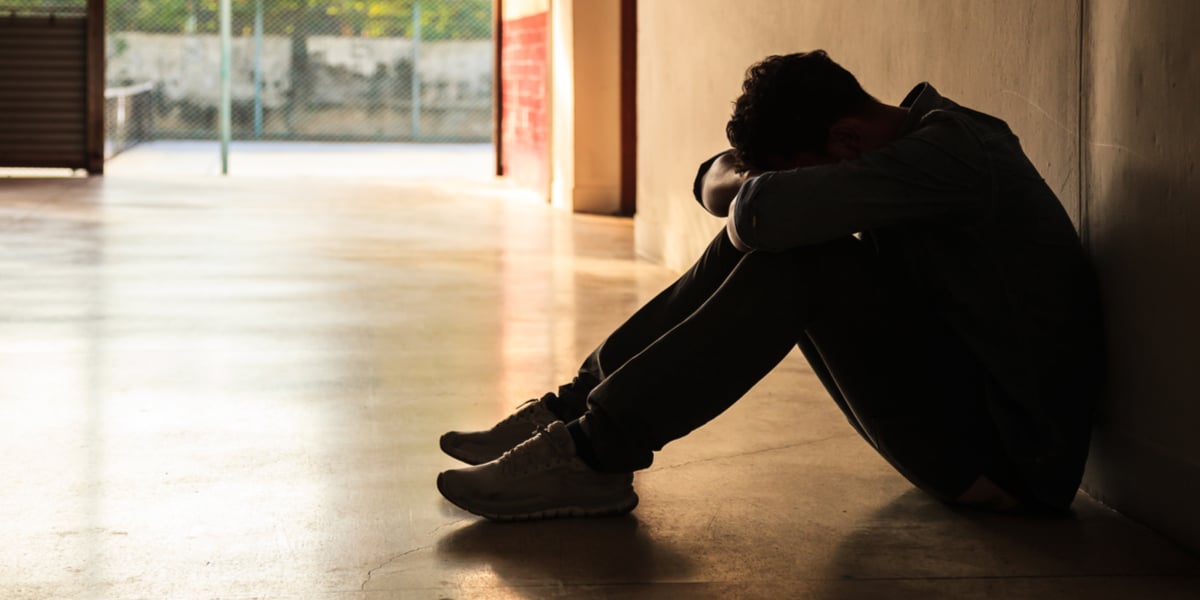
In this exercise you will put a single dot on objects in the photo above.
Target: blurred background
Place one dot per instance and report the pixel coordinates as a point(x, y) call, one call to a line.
point(301, 70)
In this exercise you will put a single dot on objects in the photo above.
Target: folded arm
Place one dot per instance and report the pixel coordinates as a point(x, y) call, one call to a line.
point(938, 174)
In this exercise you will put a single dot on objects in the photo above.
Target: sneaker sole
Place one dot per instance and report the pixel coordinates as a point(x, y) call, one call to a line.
point(625, 506)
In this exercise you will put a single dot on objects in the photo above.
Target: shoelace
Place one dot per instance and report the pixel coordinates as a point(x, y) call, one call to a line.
point(523, 412)
point(534, 454)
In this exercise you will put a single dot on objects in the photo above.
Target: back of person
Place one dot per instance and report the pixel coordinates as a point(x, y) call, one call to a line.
point(1017, 286)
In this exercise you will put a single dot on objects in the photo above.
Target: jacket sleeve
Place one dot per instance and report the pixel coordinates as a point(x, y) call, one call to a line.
point(939, 173)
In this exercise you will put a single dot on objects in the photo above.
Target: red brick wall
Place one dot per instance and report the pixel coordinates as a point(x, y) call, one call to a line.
point(524, 118)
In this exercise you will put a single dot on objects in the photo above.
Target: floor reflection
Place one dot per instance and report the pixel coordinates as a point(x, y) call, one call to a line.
point(234, 388)
point(531, 559)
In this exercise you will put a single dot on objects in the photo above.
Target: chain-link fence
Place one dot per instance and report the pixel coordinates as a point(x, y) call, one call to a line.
point(336, 70)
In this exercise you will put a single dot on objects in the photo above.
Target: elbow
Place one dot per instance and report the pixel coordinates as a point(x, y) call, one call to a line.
point(734, 237)
point(747, 231)
point(758, 238)
point(763, 230)
point(750, 225)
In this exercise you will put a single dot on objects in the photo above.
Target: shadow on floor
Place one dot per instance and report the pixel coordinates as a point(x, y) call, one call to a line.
point(912, 547)
point(528, 558)
point(915, 547)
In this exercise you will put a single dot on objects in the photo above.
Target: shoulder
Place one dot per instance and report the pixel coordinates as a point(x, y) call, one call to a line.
point(951, 130)
point(954, 119)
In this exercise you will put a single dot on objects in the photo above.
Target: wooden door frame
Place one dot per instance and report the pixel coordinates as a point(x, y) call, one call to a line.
point(628, 101)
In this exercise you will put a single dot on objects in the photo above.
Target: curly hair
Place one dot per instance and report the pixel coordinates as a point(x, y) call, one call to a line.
point(787, 105)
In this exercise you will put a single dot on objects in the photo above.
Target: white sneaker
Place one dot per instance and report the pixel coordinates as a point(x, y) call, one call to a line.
point(539, 479)
point(478, 447)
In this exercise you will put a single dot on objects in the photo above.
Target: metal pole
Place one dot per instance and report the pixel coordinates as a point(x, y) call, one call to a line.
point(258, 74)
point(226, 105)
point(416, 76)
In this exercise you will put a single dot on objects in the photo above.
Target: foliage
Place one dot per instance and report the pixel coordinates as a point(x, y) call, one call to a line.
point(41, 6)
point(440, 19)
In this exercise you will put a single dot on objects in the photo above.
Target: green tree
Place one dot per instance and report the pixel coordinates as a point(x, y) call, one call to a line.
point(41, 6)
point(440, 19)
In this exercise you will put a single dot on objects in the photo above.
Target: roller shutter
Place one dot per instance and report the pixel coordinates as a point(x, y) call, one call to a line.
point(44, 91)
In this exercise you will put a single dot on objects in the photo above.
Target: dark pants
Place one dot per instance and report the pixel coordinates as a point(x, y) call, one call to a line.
point(901, 376)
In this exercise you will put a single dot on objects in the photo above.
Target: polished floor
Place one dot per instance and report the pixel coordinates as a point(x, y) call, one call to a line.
point(233, 388)
point(307, 159)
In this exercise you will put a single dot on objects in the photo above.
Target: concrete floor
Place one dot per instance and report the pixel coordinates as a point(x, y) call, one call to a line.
point(307, 159)
point(233, 388)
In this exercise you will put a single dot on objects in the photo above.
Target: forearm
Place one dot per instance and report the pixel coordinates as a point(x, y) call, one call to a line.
point(720, 186)
point(786, 209)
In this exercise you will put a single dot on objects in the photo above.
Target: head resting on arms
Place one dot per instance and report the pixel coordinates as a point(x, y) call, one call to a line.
point(804, 109)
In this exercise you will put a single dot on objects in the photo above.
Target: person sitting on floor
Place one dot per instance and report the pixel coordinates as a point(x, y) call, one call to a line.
point(914, 254)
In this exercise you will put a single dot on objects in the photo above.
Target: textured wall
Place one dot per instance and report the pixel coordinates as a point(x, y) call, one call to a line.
point(1108, 88)
point(1142, 191)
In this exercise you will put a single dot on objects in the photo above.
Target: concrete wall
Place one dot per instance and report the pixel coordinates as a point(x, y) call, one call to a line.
point(1117, 79)
point(1142, 194)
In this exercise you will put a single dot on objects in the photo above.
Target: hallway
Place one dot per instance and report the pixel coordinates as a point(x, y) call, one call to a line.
point(234, 387)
